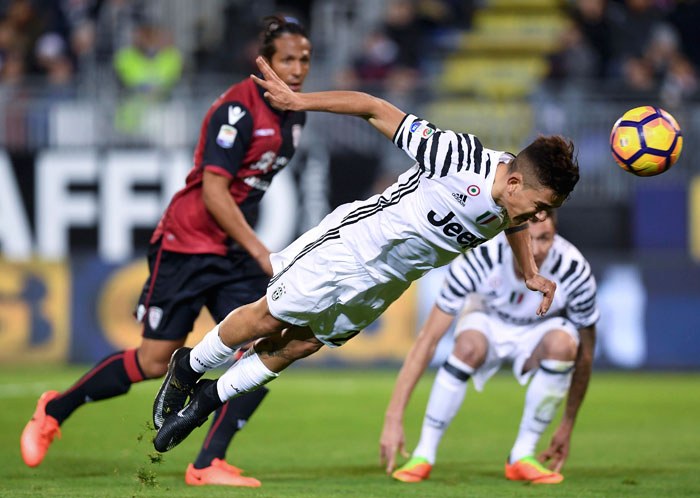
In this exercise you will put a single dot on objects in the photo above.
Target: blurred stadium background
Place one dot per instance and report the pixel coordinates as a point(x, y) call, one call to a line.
point(101, 103)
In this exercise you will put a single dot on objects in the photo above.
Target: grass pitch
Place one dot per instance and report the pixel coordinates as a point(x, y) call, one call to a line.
point(317, 432)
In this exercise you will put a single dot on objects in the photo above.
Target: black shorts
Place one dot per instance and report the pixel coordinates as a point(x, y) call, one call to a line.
point(180, 284)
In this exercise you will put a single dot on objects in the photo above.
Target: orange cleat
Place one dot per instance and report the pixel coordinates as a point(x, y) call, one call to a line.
point(39, 432)
point(219, 472)
point(529, 469)
point(415, 470)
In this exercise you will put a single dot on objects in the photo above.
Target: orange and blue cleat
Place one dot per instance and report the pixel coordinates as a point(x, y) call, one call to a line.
point(529, 469)
point(219, 472)
point(39, 432)
point(415, 470)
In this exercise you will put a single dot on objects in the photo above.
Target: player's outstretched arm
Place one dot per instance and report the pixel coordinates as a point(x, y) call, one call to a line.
point(393, 438)
point(384, 116)
point(519, 240)
point(558, 449)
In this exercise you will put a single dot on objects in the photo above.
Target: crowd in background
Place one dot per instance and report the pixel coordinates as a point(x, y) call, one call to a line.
point(645, 46)
point(50, 42)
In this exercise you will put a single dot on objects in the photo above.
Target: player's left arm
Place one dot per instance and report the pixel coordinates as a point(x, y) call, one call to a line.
point(558, 449)
point(381, 114)
point(519, 240)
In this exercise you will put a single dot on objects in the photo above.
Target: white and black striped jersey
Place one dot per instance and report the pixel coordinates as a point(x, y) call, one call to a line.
point(488, 272)
point(436, 210)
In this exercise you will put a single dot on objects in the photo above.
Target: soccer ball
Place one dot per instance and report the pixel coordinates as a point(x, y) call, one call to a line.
point(646, 141)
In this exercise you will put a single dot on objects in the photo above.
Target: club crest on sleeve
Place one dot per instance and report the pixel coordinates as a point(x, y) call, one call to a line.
point(226, 137)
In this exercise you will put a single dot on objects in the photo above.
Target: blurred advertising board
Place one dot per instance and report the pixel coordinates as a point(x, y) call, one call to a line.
point(81, 309)
point(74, 225)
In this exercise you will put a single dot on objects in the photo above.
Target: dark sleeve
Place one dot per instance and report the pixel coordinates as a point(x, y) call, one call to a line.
point(229, 132)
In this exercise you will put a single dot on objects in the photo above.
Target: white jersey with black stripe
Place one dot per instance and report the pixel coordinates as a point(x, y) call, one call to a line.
point(436, 210)
point(488, 272)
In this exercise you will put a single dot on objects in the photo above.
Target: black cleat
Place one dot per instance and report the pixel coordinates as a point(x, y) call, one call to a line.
point(176, 387)
point(178, 426)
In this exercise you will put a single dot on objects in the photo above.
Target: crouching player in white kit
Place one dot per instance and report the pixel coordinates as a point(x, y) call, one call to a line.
point(498, 323)
point(340, 276)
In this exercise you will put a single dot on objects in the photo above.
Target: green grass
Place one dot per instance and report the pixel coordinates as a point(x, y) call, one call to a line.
point(317, 434)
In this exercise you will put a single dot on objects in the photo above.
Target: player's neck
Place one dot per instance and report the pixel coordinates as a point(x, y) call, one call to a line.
point(499, 184)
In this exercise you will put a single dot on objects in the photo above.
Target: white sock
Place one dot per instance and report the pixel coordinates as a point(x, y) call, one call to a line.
point(210, 353)
point(544, 395)
point(446, 397)
point(245, 375)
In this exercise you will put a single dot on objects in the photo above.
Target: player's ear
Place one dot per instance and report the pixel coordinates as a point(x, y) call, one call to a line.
point(514, 181)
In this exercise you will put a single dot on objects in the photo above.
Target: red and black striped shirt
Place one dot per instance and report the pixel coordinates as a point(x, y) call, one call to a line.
point(244, 139)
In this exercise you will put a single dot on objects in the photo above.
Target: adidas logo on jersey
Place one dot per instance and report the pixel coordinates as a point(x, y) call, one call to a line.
point(461, 198)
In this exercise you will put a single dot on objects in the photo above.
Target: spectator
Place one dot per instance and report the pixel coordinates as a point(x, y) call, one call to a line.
point(152, 66)
point(575, 59)
point(51, 55)
point(147, 70)
point(591, 19)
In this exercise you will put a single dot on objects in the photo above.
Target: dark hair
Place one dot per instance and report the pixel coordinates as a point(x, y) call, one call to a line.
point(276, 26)
point(552, 162)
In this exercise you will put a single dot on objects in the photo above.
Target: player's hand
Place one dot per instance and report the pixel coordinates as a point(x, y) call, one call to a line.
point(546, 287)
point(277, 93)
point(558, 449)
point(393, 439)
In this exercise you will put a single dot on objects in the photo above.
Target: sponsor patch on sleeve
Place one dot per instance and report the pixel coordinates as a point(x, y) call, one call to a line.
point(422, 129)
point(226, 137)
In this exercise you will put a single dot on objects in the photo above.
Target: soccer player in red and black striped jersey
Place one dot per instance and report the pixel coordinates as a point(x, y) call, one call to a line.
point(203, 252)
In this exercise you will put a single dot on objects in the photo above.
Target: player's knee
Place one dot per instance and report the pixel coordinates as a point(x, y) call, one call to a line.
point(559, 345)
point(153, 368)
point(471, 349)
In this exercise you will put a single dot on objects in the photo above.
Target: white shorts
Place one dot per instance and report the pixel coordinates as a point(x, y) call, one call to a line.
point(319, 283)
point(509, 342)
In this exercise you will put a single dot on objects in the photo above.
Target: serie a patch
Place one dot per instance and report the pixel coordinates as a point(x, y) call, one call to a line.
point(226, 137)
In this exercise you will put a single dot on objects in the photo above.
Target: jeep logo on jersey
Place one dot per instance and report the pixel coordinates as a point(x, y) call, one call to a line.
point(465, 238)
